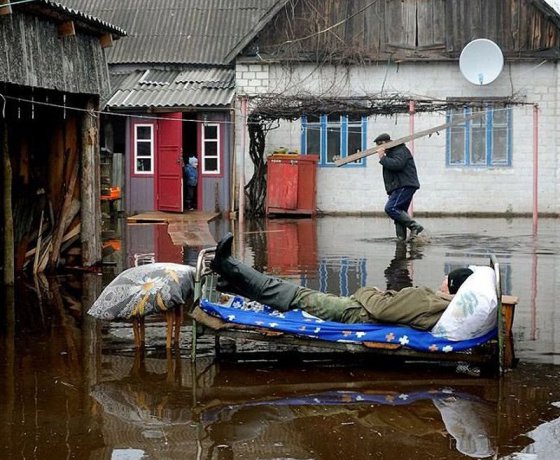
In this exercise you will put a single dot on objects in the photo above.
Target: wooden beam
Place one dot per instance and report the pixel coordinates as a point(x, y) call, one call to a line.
point(5, 7)
point(66, 206)
point(106, 40)
point(402, 140)
point(7, 215)
point(90, 187)
point(66, 29)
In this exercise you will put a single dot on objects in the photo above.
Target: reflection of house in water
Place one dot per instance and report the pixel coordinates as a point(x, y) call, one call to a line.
point(292, 248)
point(151, 243)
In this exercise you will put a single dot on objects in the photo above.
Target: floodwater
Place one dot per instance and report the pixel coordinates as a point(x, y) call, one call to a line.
point(74, 388)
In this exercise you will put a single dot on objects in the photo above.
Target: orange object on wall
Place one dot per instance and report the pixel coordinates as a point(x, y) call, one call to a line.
point(292, 182)
point(114, 194)
point(291, 245)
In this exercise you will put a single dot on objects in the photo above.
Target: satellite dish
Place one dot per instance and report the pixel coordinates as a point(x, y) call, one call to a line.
point(481, 61)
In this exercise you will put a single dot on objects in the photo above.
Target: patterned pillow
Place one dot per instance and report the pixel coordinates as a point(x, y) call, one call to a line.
point(473, 310)
point(145, 290)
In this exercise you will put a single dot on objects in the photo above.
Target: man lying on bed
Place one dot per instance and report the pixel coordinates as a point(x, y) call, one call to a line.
point(418, 307)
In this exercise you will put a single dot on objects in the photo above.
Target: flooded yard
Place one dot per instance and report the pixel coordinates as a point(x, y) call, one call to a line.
point(74, 387)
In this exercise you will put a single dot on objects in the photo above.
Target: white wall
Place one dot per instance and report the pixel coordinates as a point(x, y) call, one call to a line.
point(443, 189)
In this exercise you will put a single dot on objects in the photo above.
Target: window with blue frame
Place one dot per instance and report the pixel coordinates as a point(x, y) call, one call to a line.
point(333, 137)
point(481, 142)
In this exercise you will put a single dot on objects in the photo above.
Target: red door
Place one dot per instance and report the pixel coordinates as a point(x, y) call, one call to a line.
point(169, 171)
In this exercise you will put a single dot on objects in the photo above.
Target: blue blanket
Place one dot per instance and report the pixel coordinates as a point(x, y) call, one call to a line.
point(298, 322)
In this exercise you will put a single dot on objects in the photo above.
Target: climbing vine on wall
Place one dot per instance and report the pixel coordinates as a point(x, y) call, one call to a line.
point(255, 189)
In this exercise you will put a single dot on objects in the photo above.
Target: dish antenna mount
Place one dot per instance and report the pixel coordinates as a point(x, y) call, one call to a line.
point(481, 61)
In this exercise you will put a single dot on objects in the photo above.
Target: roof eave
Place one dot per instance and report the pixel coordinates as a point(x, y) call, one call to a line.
point(263, 21)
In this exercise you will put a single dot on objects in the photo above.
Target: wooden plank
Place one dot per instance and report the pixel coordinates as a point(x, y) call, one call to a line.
point(59, 229)
point(402, 140)
point(7, 214)
point(66, 29)
point(38, 250)
point(106, 40)
point(5, 7)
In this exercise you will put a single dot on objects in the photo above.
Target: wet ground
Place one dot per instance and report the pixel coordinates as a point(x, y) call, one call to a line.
point(73, 387)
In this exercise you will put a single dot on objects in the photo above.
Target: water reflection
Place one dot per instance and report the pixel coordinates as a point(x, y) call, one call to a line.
point(162, 405)
point(397, 272)
point(148, 407)
point(437, 419)
point(70, 388)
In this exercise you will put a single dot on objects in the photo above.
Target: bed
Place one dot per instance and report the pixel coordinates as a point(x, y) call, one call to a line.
point(238, 318)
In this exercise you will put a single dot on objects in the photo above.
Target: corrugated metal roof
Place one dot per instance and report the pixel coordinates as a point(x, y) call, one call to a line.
point(72, 13)
point(143, 89)
point(179, 31)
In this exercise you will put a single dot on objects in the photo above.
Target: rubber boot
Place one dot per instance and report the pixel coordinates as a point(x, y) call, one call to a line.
point(408, 222)
point(238, 278)
point(400, 230)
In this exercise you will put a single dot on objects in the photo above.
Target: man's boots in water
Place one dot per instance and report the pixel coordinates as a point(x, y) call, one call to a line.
point(400, 230)
point(408, 222)
point(238, 278)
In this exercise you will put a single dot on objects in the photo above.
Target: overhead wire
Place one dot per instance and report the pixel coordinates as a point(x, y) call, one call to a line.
point(18, 2)
point(93, 112)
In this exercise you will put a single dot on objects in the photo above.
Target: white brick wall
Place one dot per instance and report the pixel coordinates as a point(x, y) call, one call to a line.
point(443, 189)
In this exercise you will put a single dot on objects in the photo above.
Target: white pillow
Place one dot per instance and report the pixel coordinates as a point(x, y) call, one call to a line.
point(472, 312)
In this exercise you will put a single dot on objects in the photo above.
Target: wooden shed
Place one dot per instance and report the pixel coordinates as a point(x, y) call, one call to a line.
point(53, 75)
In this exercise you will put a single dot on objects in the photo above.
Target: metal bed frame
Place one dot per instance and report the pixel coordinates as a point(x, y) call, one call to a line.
point(496, 355)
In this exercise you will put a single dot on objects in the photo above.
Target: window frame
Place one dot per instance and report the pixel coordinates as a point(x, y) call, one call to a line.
point(204, 156)
point(151, 156)
point(344, 125)
point(489, 154)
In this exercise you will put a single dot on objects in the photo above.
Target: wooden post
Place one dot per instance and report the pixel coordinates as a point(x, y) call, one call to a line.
point(90, 188)
point(9, 262)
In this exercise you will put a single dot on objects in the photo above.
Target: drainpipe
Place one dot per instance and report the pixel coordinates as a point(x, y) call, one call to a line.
point(411, 112)
point(242, 162)
point(535, 168)
point(233, 166)
point(534, 267)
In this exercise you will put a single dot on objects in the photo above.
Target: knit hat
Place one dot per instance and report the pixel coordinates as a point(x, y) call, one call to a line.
point(456, 278)
point(193, 161)
point(382, 138)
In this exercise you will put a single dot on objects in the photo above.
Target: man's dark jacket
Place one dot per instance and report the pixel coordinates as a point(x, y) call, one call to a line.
point(399, 169)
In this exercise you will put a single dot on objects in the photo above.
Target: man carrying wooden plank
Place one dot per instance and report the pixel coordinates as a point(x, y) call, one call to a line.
point(401, 182)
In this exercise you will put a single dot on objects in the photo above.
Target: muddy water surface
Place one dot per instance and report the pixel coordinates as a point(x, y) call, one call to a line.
point(73, 387)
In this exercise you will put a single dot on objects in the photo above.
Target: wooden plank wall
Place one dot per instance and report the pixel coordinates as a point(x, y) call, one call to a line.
point(409, 29)
point(32, 54)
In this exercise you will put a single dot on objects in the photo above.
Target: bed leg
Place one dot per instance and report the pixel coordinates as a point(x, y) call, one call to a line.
point(169, 319)
point(508, 310)
point(178, 323)
point(138, 330)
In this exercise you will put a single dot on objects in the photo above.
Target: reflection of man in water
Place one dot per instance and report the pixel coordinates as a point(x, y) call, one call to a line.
point(397, 273)
point(398, 425)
